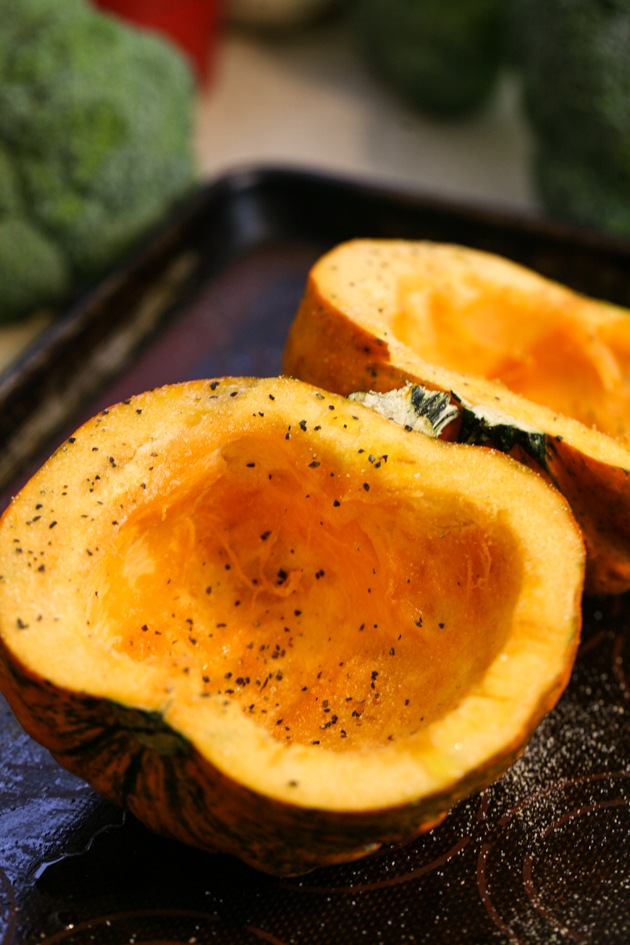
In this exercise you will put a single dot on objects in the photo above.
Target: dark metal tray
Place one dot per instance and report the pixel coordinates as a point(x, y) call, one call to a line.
point(541, 857)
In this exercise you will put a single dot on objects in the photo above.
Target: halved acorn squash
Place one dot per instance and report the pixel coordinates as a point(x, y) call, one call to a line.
point(268, 621)
point(538, 370)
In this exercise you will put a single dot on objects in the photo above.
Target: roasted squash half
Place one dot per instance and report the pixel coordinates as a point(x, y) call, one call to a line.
point(269, 621)
point(537, 369)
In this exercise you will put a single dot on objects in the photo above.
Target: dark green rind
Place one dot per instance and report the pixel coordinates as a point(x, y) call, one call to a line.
point(481, 427)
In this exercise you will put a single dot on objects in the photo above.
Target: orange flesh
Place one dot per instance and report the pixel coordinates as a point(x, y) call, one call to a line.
point(283, 592)
point(550, 350)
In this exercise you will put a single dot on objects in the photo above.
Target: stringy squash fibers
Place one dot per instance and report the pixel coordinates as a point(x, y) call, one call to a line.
point(269, 621)
point(537, 369)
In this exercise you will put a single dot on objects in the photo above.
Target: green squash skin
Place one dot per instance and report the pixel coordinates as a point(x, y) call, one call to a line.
point(479, 429)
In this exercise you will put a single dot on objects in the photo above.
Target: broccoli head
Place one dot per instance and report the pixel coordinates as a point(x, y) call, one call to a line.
point(574, 57)
point(95, 135)
point(442, 56)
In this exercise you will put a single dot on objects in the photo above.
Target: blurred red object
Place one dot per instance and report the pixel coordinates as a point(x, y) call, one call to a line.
point(193, 25)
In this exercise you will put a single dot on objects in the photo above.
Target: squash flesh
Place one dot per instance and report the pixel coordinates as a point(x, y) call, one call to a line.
point(329, 619)
point(554, 351)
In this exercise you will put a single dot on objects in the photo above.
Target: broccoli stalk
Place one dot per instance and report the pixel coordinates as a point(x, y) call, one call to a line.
point(95, 144)
point(574, 57)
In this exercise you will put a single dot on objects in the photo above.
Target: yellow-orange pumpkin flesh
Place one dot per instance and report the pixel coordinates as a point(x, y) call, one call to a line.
point(473, 312)
point(480, 314)
point(379, 313)
point(269, 621)
point(326, 625)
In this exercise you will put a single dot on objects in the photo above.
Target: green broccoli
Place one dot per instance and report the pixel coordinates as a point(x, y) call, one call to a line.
point(33, 271)
point(574, 57)
point(442, 56)
point(95, 144)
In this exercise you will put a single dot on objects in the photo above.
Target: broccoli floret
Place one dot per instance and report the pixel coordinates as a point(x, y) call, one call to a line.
point(96, 122)
point(443, 56)
point(10, 198)
point(33, 272)
point(574, 56)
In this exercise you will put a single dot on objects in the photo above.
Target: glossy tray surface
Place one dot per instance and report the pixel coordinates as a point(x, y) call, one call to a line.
point(541, 857)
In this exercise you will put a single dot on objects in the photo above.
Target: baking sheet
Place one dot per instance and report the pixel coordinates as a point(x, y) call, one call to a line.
point(541, 857)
